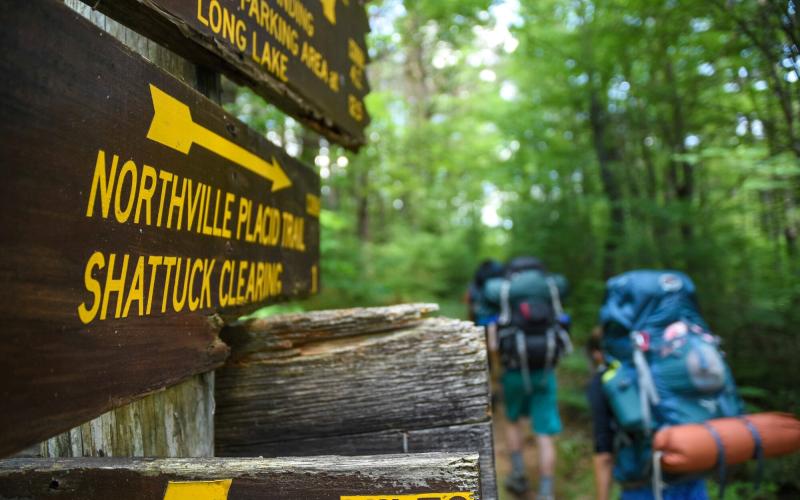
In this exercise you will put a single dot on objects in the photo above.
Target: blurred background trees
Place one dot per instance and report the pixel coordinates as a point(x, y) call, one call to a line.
point(599, 135)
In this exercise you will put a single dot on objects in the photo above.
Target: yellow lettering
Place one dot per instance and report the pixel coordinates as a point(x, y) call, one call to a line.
point(145, 193)
point(178, 303)
point(241, 39)
point(216, 230)
point(205, 288)
point(176, 202)
point(137, 289)
point(128, 170)
point(250, 294)
point(329, 10)
point(244, 214)
point(104, 182)
point(114, 285)
point(274, 226)
point(200, 17)
point(355, 107)
point(154, 262)
point(258, 233)
point(260, 281)
point(229, 26)
point(254, 49)
point(169, 262)
point(93, 286)
point(240, 283)
point(229, 198)
point(206, 228)
point(223, 297)
point(194, 302)
point(192, 204)
point(166, 178)
point(215, 25)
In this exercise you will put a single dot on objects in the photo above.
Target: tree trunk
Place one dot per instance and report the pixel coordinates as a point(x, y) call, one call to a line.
point(606, 155)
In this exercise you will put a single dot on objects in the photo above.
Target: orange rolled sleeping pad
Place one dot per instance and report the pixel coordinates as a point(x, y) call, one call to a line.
point(693, 448)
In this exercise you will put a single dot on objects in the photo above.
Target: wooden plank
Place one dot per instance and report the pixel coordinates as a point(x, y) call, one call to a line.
point(285, 334)
point(430, 375)
point(175, 422)
point(454, 438)
point(355, 381)
point(427, 476)
point(307, 57)
point(79, 338)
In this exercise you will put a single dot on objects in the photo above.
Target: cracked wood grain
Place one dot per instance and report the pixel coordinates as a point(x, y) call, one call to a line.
point(296, 478)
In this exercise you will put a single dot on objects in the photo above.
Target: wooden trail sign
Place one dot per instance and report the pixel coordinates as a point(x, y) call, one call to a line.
point(307, 57)
point(356, 382)
point(433, 476)
point(132, 210)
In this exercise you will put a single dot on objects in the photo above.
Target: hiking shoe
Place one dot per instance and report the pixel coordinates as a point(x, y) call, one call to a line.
point(517, 483)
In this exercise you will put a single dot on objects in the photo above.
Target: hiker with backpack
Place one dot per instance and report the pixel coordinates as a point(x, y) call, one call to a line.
point(658, 366)
point(479, 310)
point(531, 337)
point(605, 429)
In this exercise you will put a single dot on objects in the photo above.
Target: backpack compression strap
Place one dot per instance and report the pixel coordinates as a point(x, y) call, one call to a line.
point(647, 388)
point(505, 308)
point(555, 298)
point(519, 335)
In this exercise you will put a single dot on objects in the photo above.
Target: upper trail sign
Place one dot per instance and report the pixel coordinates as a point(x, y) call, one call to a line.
point(308, 57)
point(132, 210)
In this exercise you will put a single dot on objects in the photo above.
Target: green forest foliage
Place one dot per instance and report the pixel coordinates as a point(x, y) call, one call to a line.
point(598, 135)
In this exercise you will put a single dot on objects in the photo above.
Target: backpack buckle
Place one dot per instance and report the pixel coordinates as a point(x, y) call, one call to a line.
point(642, 340)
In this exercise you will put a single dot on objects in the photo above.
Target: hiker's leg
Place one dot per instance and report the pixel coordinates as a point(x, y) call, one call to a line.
point(515, 410)
point(546, 424)
point(515, 400)
point(515, 438)
point(547, 455)
point(547, 464)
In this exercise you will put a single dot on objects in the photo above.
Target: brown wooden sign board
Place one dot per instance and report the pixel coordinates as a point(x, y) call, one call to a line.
point(429, 476)
point(307, 57)
point(132, 210)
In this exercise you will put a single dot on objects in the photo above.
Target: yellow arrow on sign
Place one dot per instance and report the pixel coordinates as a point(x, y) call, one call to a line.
point(173, 127)
point(198, 490)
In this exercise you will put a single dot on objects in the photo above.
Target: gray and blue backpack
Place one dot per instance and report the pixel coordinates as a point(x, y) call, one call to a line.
point(666, 367)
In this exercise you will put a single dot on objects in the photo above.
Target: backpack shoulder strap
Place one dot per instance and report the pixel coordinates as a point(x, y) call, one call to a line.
point(555, 297)
point(558, 309)
point(505, 307)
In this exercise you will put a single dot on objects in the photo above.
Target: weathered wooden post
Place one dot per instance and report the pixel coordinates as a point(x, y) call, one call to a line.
point(356, 382)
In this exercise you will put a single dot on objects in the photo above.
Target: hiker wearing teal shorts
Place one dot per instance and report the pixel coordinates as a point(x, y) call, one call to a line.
point(541, 407)
point(531, 336)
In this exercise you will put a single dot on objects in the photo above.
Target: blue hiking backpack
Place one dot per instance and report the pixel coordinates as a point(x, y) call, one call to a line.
point(665, 368)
